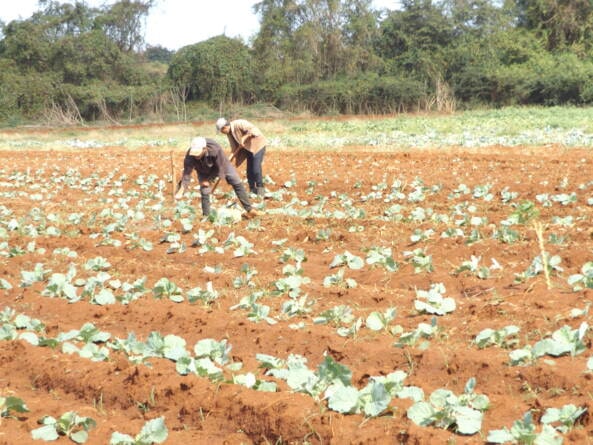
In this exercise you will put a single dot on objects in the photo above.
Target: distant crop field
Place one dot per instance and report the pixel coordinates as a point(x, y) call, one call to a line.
point(509, 127)
point(412, 279)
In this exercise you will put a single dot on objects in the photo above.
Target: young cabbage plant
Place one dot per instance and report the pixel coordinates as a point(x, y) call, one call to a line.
point(175, 243)
point(60, 286)
point(260, 312)
point(422, 331)
point(89, 351)
point(473, 266)
point(241, 245)
point(433, 301)
point(379, 321)
point(382, 256)
point(419, 259)
point(206, 296)
point(347, 259)
point(97, 264)
point(164, 288)
point(291, 254)
point(206, 242)
point(562, 341)
point(224, 216)
point(445, 410)
point(584, 279)
point(245, 279)
point(421, 235)
point(153, 432)
point(292, 281)
point(70, 424)
point(524, 432)
point(506, 337)
point(300, 306)
point(339, 280)
point(38, 274)
point(563, 419)
point(336, 316)
point(524, 213)
point(133, 291)
point(135, 241)
point(10, 405)
point(552, 263)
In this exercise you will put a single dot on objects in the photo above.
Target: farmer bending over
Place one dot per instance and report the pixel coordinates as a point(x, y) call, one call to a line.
point(247, 142)
point(207, 158)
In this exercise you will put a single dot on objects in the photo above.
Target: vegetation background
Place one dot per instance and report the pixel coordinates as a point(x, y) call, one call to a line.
point(71, 64)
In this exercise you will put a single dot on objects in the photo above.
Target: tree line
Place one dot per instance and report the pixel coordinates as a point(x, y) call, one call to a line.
point(72, 63)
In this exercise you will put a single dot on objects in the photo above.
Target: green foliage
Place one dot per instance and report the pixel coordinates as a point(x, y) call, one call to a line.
point(446, 410)
point(216, 70)
point(11, 404)
point(153, 431)
point(73, 63)
point(69, 424)
point(368, 93)
point(524, 432)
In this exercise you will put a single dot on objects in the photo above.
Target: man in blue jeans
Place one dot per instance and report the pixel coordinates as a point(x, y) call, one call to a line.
point(247, 143)
point(207, 158)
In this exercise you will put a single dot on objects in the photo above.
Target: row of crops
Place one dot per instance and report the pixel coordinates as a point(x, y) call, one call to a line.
point(54, 221)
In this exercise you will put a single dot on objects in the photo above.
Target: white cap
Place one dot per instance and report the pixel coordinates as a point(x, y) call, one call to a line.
point(197, 145)
point(221, 122)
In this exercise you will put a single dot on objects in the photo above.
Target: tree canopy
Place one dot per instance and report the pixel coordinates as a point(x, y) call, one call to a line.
point(73, 63)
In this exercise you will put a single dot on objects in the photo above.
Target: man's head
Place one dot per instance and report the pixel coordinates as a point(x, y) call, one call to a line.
point(222, 125)
point(197, 147)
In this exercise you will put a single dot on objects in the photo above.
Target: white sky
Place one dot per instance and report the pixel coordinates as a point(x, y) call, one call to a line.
point(176, 23)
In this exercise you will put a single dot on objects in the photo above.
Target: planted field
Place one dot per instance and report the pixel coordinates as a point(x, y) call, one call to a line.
point(411, 296)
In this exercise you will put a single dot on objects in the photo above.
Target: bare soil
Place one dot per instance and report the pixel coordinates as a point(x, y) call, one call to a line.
point(122, 396)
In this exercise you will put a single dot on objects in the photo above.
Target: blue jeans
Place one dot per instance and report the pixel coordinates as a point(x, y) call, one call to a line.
point(255, 177)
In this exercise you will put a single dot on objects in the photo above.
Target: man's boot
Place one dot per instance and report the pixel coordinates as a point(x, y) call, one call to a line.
point(260, 192)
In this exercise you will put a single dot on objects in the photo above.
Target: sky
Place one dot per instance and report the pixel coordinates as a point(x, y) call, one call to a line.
point(175, 23)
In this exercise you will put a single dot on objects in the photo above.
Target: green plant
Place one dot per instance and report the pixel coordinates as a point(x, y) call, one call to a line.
point(584, 279)
point(419, 259)
point(69, 424)
point(433, 302)
point(382, 256)
point(153, 431)
point(338, 279)
point(347, 259)
point(564, 418)
point(10, 404)
point(499, 337)
point(524, 432)
point(164, 288)
point(446, 410)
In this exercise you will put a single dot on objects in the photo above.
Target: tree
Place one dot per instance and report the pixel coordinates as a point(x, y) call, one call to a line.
point(78, 61)
point(561, 23)
point(217, 70)
point(122, 23)
point(416, 37)
point(303, 41)
point(158, 53)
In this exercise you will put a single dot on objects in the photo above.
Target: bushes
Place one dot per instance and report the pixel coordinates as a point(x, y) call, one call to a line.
point(216, 70)
point(369, 94)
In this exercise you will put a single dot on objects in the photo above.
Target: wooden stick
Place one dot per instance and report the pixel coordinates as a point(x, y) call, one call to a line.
point(173, 178)
point(539, 231)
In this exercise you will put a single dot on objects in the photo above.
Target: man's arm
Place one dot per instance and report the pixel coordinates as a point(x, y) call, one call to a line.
point(183, 184)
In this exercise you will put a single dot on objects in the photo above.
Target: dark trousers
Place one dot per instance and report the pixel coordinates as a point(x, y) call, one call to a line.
point(234, 181)
point(255, 177)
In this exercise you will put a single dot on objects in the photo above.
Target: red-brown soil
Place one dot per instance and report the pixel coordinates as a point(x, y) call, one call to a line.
point(122, 396)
